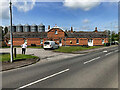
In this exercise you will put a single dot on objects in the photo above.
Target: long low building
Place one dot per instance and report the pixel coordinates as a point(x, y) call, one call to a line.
point(63, 38)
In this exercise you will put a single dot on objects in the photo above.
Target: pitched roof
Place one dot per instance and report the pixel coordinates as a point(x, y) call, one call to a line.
point(28, 35)
point(86, 35)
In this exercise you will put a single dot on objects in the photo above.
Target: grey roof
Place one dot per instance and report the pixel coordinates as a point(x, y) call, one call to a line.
point(68, 35)
point(41, 24)
point(28, 35)
point(26, 25)
point(33, 25)
point(19, 25)
point(86, 35)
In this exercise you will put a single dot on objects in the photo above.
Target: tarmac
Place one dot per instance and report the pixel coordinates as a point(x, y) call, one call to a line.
point(52, 57)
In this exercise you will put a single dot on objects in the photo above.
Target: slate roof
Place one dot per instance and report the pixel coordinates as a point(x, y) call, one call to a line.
point(67, 34)
point(86, 35)
point(28, 35)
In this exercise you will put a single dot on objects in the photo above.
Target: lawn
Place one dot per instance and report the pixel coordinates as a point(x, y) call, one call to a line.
point(34, 47)
point(69, 49)
point(6, 57)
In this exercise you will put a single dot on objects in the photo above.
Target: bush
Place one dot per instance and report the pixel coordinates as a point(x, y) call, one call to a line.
point(33, 44)
point(107, 44)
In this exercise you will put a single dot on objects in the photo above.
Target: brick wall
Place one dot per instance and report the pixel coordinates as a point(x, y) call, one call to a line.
point(36, 41)
point(56, 37)
point(51, 34)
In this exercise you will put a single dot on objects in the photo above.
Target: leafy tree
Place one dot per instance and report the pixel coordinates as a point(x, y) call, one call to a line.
point(1, 32)
point(5, 30)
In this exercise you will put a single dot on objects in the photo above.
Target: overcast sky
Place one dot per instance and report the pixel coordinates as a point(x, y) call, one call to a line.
point(79, 15)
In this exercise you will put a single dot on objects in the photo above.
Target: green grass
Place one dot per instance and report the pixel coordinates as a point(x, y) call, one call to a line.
point(5, 47)
point(69, 49)
point(34, 47)
point(6, 57)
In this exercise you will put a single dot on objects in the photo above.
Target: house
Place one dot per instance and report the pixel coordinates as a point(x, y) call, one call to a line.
point(63, 38)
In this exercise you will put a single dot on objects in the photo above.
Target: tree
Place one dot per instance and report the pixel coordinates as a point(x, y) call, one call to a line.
point(1, 33)
point(108, 33)
point(113, 36)
point(5, 30)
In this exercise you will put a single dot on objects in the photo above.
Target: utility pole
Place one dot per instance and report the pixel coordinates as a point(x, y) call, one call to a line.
point(11, 38)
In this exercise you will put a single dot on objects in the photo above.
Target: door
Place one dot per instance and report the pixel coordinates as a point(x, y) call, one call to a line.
point(60, 42)
point(90, 42)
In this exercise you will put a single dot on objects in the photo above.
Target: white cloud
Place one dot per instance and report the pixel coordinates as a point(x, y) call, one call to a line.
point(83, 4)
point(4, 9)
point(85, 28)
point(21, 6)
point(85, 21)
point(25, 5)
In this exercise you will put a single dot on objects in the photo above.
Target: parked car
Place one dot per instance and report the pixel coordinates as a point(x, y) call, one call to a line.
point(50, 45)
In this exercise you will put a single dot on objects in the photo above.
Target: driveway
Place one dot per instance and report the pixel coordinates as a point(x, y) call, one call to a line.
point(41, 53)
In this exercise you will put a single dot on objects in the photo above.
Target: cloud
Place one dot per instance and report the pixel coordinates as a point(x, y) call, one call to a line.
point(116, 26)
point(85, 28)
point(4, 9)
point(25, 5)
point(85, 5)
point(85, 21)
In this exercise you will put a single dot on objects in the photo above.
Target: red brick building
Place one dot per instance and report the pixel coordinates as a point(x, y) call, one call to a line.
point(63, 38)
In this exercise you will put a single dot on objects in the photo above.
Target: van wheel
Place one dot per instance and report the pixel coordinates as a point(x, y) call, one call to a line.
point(52, 48)
point(45, 49)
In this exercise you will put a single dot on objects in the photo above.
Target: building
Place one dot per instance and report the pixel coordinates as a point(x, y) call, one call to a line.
point(63, 38)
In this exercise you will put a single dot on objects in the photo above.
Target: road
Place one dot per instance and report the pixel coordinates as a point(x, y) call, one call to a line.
point(93, 70)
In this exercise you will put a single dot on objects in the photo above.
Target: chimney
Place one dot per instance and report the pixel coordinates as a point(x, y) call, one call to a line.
point(72, 29)
point(96, 29)
point(48, 27)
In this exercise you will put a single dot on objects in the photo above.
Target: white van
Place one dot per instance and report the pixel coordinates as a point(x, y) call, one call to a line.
point(50, 45)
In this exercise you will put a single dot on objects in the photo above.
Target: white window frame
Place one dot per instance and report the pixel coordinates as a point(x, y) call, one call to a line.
point(56, 32)
point(25, 41)
point(90, 40)
point(9, 41)
point(77, 41)
point(103, 41)
point(41, 41)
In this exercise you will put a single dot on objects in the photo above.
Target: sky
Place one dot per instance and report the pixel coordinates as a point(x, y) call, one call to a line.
point(82, 16)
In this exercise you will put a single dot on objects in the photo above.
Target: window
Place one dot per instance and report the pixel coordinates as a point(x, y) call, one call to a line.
point(102, 41)
point(60, 41)
point(41, 41)
point(25, 41)
point(9, 41)
point(46, 43)
point(55, 43)
point(77, 41)
point(56, 32)
point(90, 40)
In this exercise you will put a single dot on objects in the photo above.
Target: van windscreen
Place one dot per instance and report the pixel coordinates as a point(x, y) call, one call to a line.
point(46, 43)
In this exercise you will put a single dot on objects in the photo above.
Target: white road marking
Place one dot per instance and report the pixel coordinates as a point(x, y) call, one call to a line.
point(42, 79)
point(108, 53)
point(91, 60)
point(105, 51)
point(116, 51)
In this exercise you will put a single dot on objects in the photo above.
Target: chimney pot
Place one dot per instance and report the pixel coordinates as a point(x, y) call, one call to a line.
point(96, 29)
point(71, 29)
point(48, 27)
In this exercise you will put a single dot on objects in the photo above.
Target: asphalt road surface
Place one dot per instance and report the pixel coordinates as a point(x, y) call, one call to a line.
point(93, 70)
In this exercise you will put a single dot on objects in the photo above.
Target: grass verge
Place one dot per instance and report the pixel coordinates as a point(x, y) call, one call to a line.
point(70, 49)
point(6, 57)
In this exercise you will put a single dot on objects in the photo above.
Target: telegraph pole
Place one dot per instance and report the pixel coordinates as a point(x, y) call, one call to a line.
point(11, 38)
